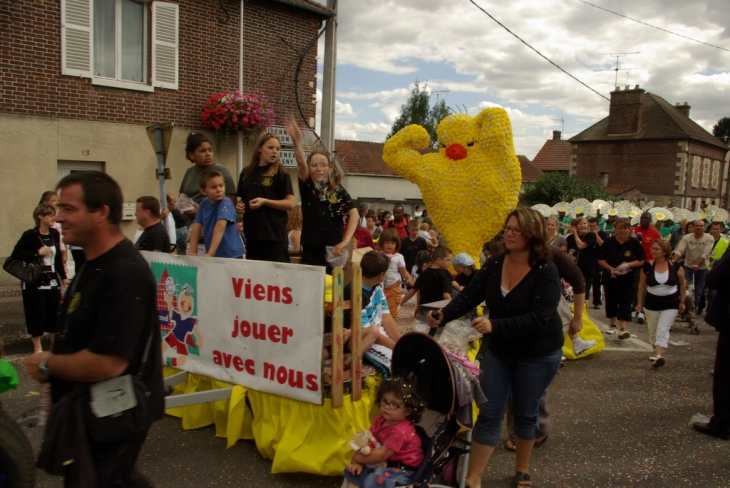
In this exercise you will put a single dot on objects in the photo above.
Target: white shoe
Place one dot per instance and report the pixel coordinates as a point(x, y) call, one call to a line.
point(580, 346)
point(633, 314)
point(612, 330)
point(640, 317)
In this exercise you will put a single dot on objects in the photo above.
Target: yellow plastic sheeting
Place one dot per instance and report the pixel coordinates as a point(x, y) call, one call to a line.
point(228, 416)
point(589, 331)
point(305, 438)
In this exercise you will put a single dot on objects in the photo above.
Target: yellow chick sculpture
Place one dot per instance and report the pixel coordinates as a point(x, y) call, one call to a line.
point(471, 184)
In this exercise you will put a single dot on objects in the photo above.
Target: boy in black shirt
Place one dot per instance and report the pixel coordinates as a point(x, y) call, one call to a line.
point(412, 244)
point(434, 284)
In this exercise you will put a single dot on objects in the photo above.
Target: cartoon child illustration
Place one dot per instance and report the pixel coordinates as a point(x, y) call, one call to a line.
point(179, 329)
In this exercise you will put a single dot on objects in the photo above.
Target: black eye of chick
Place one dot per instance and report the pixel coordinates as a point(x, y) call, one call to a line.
point(471, 144)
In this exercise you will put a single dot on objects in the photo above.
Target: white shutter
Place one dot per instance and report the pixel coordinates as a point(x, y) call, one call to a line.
point(76, 39)
point(165, 49)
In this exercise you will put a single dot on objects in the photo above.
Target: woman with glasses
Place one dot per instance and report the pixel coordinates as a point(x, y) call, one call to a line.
point(522, 338)
point(325, 204)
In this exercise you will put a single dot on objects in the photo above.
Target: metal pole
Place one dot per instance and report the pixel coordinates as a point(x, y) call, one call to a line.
point(239, 155)
point(161, 171)
point(329, 76)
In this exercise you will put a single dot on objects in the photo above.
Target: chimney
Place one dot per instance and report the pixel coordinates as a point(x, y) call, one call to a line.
point(683, 109)
point(556, 135)
point(625, 114)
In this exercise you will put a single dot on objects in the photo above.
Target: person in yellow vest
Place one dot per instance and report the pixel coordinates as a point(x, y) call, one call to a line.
point(719, 246)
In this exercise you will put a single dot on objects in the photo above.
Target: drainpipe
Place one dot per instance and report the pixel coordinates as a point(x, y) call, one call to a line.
point(686, 174)
point(239, 154)
point(328, 81)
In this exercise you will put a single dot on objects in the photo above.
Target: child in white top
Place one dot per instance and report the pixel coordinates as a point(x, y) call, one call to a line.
point(389, 243)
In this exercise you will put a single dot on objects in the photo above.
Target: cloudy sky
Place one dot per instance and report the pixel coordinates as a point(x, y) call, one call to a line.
point(384, 46)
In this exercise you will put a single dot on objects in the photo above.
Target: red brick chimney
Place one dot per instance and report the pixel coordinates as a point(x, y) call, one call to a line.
point(556, 135)
point(625, 113)
point(683, 109)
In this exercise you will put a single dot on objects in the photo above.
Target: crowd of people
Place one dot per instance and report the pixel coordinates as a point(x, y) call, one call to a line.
point(633, 272)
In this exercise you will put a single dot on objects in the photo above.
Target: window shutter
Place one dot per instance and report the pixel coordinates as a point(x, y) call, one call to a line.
point(165, 49)
point(76, 37)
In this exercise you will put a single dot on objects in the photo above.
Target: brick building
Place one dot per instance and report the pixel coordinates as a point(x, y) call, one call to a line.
point(80, 80)
point(530, 171)
point(649, 145)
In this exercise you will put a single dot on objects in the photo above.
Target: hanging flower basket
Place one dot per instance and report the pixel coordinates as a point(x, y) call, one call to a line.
point(228, 112)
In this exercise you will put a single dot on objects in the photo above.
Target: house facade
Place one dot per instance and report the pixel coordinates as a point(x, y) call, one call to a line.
point(554, 155)
point(81, 79)
point(653, 147)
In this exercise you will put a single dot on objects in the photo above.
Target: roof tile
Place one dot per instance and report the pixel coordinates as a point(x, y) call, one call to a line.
point(661, 120)
point(530, 172)
point(553, 156)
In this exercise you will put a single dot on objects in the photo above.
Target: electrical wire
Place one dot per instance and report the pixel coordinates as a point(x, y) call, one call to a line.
point(538, 52)
point(654, 27)
point(619, 107)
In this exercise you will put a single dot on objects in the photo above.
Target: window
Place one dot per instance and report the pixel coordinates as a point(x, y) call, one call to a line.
point(107, 41)
point(119, 40)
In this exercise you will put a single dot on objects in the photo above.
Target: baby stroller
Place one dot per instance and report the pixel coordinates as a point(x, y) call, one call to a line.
point(421, 355)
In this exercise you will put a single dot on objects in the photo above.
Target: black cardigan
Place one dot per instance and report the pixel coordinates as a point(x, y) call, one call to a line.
point(27, 248)
point(525, 323)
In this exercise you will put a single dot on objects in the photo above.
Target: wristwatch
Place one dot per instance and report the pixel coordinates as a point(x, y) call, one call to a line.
point(43, 367)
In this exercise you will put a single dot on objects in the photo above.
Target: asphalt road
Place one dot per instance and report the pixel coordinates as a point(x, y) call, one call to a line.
point(616, 422)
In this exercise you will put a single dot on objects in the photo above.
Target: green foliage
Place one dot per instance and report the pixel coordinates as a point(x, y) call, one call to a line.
point(721, 130)
point(417, 110)
point(556, 187)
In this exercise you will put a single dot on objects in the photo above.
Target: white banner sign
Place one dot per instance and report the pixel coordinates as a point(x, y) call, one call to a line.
point(251, 323)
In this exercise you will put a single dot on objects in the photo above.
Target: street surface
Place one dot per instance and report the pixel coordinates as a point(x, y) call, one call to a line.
point(616, 422)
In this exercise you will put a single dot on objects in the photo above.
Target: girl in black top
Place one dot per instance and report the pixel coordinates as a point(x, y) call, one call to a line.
point(266, 193)
point(522, 337)
point(40, 300)
point(325, 204)
point(620, 256)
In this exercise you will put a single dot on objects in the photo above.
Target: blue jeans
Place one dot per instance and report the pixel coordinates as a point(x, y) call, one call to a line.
point(527, 378)
point(699, 281)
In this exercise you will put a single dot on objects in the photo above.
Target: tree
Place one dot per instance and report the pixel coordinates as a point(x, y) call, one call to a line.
point(417, 110)
point(556, 187)
point(721, 130)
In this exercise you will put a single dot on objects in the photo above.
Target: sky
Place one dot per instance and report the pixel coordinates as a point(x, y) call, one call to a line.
point(463, 57)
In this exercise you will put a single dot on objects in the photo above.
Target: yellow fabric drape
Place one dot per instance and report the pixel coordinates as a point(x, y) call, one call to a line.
point(590, 331)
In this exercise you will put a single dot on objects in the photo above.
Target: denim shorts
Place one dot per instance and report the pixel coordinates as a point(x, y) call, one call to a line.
point(527, 378)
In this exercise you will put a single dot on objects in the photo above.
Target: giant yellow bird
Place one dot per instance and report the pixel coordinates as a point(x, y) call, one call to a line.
point(471, 184)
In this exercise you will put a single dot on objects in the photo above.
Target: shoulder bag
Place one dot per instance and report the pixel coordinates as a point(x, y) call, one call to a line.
point(30, 272)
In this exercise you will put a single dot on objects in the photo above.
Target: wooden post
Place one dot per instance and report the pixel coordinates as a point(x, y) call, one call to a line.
point(356, 333)
point(337, 345)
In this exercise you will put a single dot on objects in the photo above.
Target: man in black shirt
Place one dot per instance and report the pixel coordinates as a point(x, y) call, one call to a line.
point(107, 319)
point(155, 236)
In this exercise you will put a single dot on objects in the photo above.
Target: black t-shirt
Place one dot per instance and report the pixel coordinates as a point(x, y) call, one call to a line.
point(179, 218)
point(323, 216)
point(409, 249)
point(464, 280)
point(614, 254)
point(265, 223)
point(154, 238)
point(432, 284)
point(111, 310)
point(586, 257)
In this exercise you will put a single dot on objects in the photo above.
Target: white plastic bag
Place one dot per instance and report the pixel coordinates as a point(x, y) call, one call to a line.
point(421, 327)
point(334, 260)
point(185, 203)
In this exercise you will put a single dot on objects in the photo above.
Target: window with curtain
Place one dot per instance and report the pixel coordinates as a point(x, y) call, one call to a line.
point(119, 40)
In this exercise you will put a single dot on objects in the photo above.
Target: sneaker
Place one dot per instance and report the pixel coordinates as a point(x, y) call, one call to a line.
point(640, 317)
point(633, 314)
point(624, 334)
point(612, 330)
point(597, 306)
point(580, 346)
point(652, 358)
point(660, 361)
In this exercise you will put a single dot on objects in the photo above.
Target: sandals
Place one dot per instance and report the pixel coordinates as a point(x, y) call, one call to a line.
point(510, 445)
point(521, 480)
